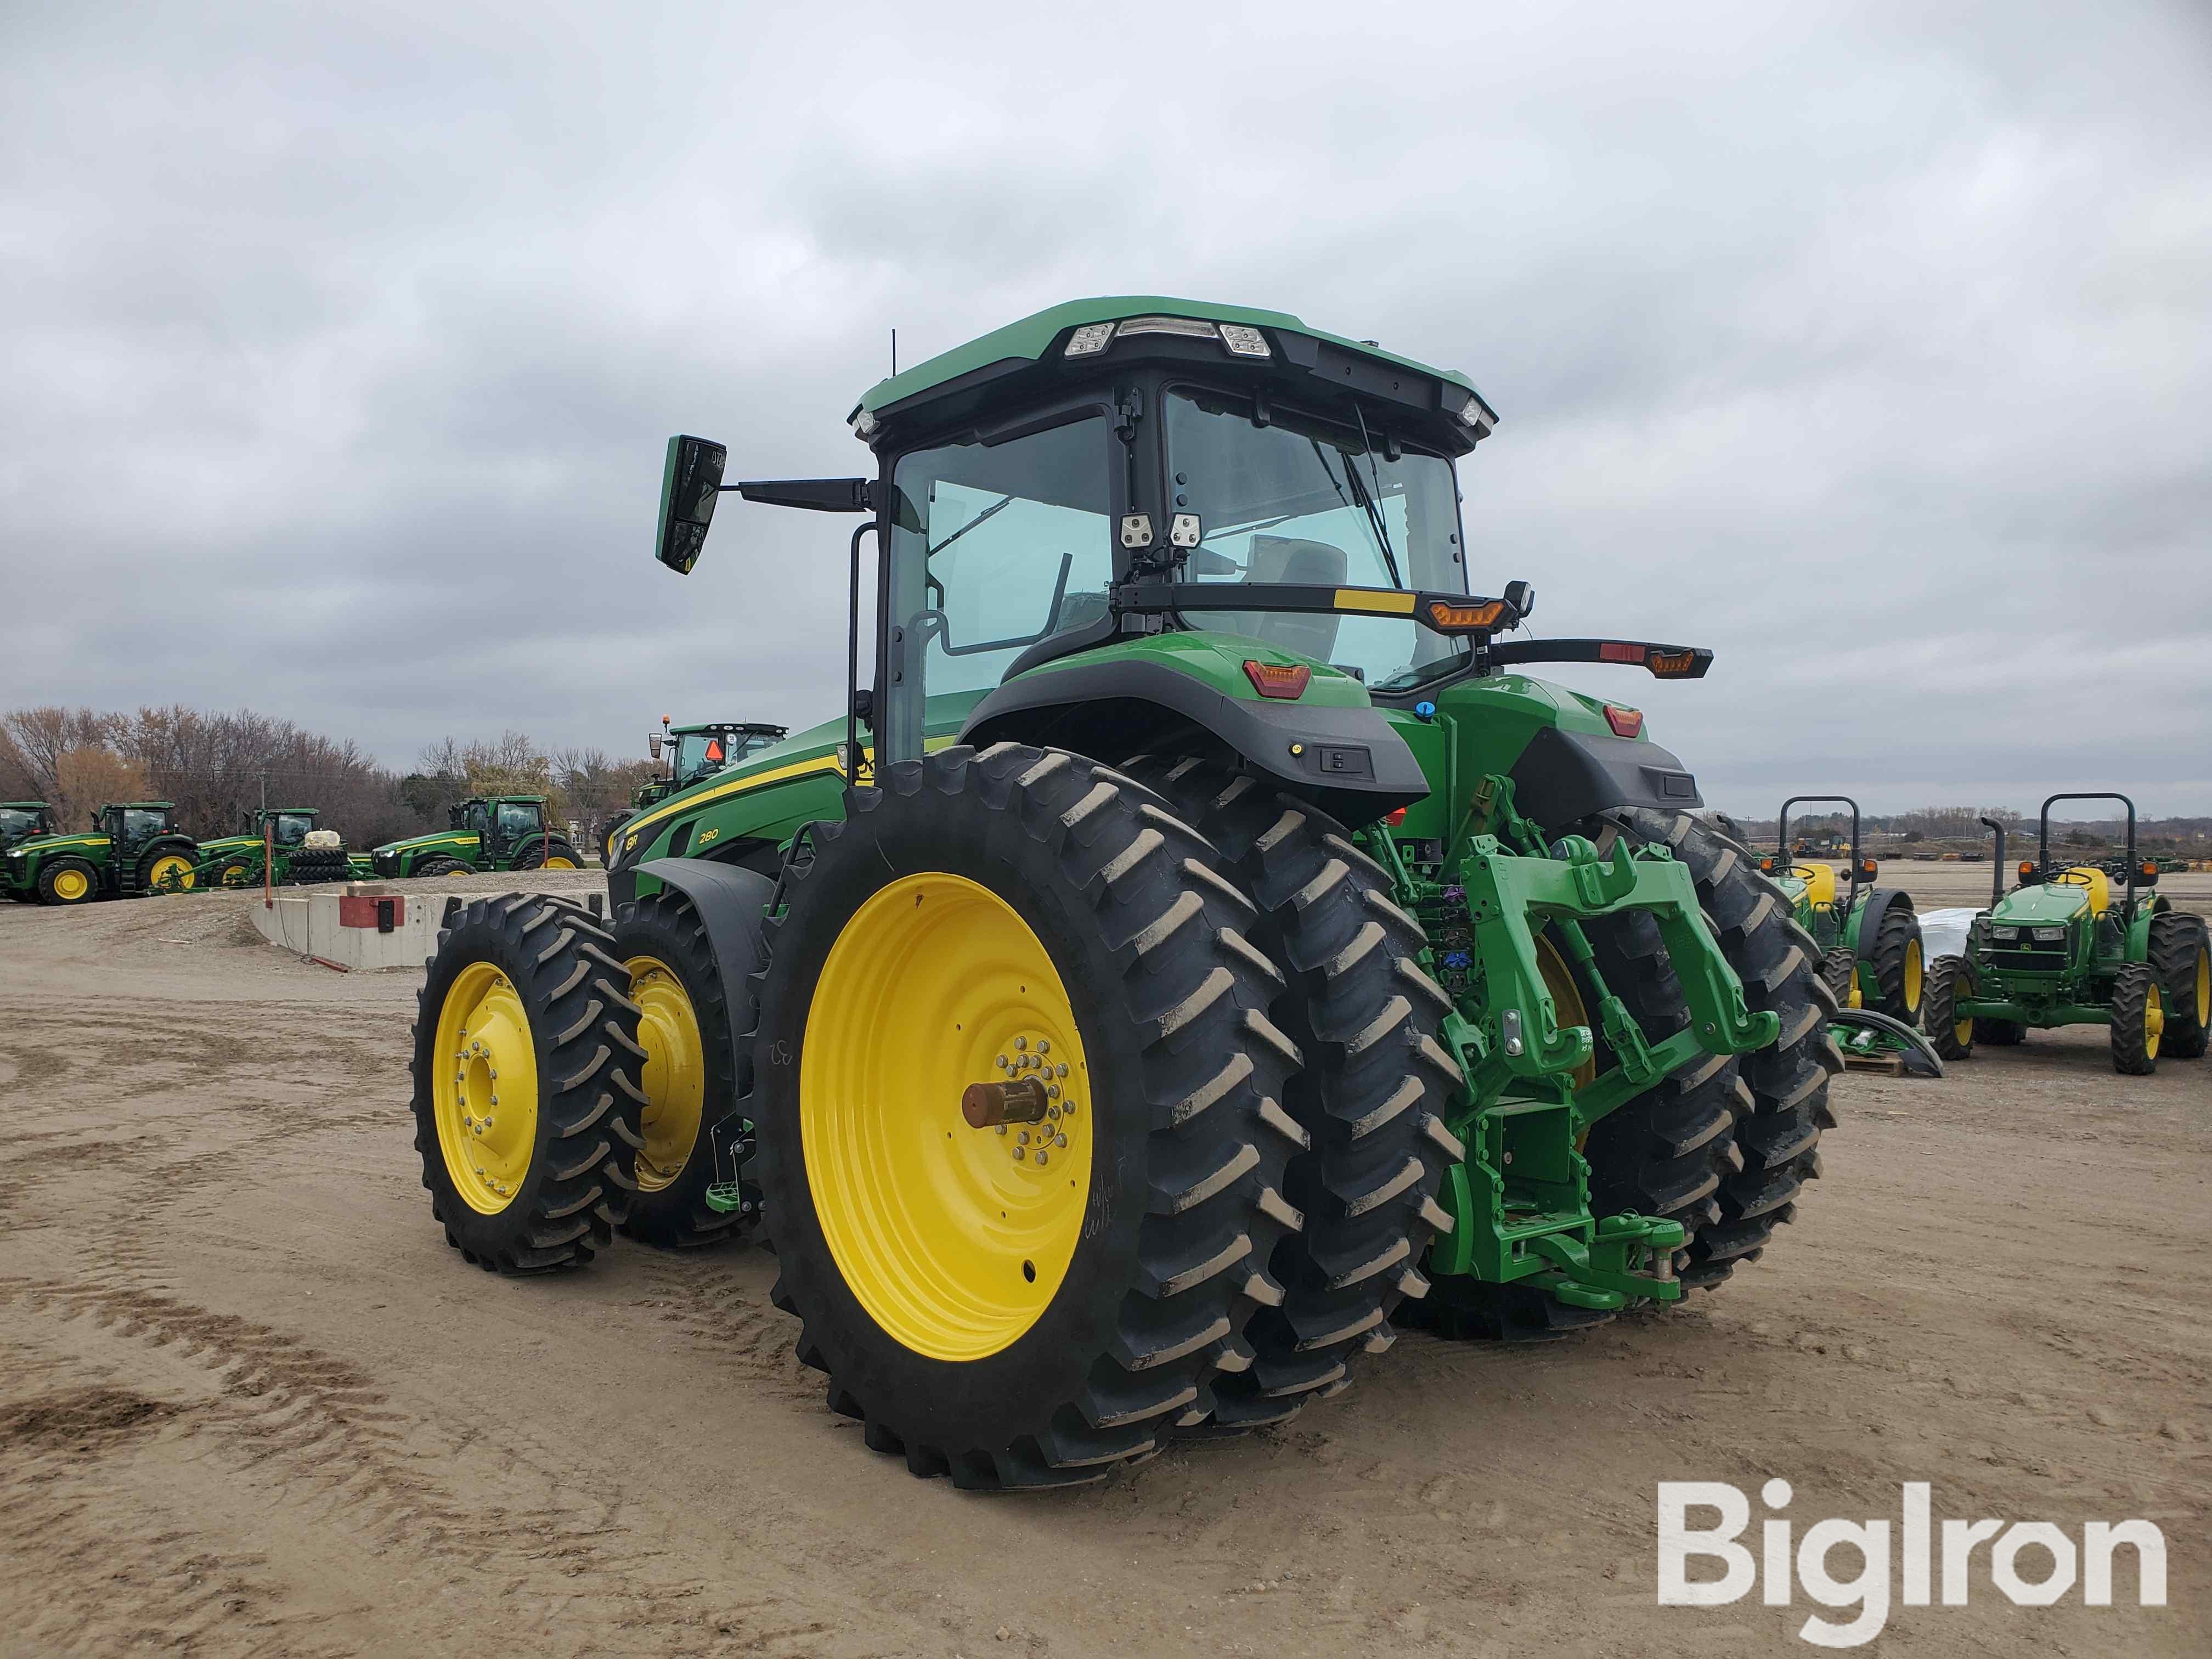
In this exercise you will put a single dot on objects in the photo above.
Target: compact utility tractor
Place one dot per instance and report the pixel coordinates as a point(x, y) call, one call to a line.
point(1198, 936)
point(691, 752)
point(133, 849)
point(488, 832)
point(1871, 953)
point(2062, 949)
point(285, 840)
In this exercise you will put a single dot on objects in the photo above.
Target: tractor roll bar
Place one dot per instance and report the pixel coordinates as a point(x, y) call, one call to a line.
point(1782, 839)
point(1996, 863)
point(2043, 837)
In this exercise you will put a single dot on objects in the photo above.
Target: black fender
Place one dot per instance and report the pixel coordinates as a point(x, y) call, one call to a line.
point(1563, 777)
point(1348, 761)
point(732, 901)
point(1880, 902)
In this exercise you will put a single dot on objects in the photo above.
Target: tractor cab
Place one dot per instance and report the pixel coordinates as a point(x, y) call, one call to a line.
point(286, 826)
point(508, 820)
point(23, 820)
point(693, 752)
point(131, 824)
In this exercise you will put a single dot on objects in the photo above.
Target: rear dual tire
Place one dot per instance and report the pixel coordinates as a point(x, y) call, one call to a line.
point(1371, 1098)
point(971, 899)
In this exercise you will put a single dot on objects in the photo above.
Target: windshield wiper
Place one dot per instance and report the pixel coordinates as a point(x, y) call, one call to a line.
point(1003, 503)
point(1374, 525)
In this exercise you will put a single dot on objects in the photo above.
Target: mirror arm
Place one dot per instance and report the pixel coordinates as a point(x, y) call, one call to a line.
point(815, 494)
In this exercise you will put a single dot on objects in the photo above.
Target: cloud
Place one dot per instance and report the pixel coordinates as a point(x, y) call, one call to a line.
point(1867, 347)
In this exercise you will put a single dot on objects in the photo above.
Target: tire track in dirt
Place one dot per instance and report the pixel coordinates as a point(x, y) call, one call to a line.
point(322, 1431)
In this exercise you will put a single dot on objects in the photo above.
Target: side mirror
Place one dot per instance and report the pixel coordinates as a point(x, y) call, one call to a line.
point(1522, 596)
point(652, 745)
point(690, 481)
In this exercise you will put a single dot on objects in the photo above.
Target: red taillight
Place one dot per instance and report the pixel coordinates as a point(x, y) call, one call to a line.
point(1394, 819)
point(1624, 722)
point(1272, 679)
point(1619, 651)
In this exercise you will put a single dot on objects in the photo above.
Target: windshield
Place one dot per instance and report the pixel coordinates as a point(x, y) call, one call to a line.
point(995, 547)
point(139, 822)
point(14, 822)
point(700, 752)
point(292, 828)
point(1302, 501)
point(518, 818)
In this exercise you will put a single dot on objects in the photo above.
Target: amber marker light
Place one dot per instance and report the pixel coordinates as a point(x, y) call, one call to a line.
point(1285, 680)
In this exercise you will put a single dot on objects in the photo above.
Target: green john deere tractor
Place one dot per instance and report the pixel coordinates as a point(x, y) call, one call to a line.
point(284, 837)
point(1871, 954)
point(2060, 949)
point(1197, 939)
point(20, 821)
point(692, 752)
point(487, 832)
point(133, 849)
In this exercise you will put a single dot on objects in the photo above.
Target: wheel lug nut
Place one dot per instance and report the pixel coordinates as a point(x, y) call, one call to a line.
point(1002, 1128)
point(1069, 1109)
point(1059, 1140)
point(1044, 1045)
point(1004, 1064)
point(1051, 1092)
point(1024, 1138)
point(1061, 1070)
point(1041, 1159)
point(1021, 1043)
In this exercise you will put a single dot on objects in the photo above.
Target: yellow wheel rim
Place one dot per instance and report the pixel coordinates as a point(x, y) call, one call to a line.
point(1856, 999)
point(675, 1071)
point(954, 1239)
point(2154, 1022)
point(558, 864)
point(173, 871)
point(483, 1088)
point(235, 876)
point(2203, 988)
point(1912, 975)
point(71, 885)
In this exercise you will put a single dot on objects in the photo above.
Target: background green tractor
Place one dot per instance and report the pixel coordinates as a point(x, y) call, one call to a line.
point(691, 752)
point(1872, 957)
point(486, 832)
point(133, 849)
point(21, 821)
point(286, 835)
point(1216, 943)
point(2061, 949)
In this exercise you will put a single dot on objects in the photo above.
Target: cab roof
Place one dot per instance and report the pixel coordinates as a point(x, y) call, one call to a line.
point(724, 726)
point(25, 805)
point(1027, 341)
point(142, 805)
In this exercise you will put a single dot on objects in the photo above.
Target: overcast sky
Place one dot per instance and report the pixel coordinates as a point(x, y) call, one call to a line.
point(336, 357)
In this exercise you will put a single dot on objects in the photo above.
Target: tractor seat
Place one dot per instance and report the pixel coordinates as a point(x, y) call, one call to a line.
point(2099, 883)
point(1820, 881)
point(1293, 559)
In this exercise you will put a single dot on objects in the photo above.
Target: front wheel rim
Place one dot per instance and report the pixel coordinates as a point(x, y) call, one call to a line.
point(1913, 974)
point(484, 1088)
point(172, 865)
point(675, 1075)
point(2154, 1021)
point(70, 886)
point(558, 864)
point(954, 1239)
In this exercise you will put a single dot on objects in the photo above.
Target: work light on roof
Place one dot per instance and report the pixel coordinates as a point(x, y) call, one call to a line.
point(1188, 328)
point(1089, 340)
point(1244, 340)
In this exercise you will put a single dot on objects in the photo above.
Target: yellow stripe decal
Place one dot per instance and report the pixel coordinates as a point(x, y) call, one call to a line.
point(736, 787)
point(1374, 601)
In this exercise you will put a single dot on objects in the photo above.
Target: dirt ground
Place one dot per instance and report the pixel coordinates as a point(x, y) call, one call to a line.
point(251, 1403)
